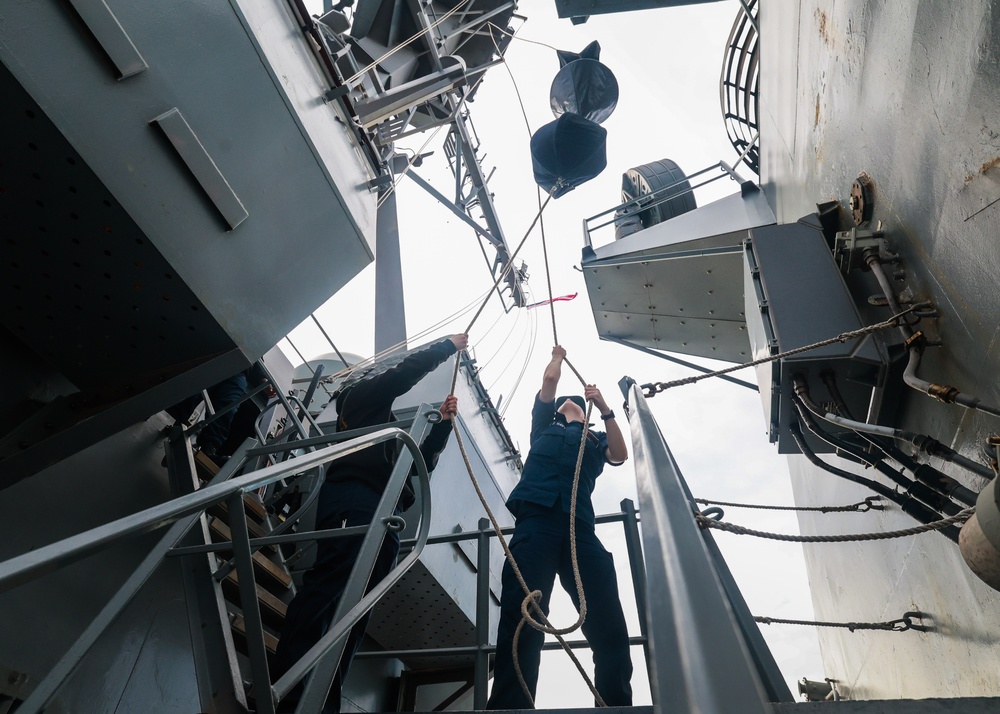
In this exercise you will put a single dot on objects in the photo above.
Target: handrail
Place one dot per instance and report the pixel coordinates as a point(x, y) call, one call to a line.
point(182, 512)
point(738, 84)
point(657, 197)
point(323, 658)
point(24, 568)
point(703, 662)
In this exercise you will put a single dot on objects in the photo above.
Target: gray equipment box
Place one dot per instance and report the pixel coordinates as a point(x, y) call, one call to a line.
point(795, 296)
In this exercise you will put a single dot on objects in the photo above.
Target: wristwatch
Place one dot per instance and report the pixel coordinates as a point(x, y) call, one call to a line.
point(609, 415)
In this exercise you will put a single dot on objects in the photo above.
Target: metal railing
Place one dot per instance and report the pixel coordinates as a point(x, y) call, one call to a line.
point(482, 649)
point(739, 84)
point(710, 655)
point(655, 198)
point(180, 515)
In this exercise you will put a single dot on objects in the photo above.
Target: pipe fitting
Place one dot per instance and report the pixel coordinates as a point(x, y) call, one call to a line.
point(943, 393)
point(917, 338)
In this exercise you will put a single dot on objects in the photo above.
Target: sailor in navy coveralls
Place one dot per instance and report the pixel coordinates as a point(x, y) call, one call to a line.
point(540, 544)
point(349, 497)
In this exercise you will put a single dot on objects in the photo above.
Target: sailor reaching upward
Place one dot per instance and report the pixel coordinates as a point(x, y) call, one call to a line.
point(541, 503)
point(349, 497)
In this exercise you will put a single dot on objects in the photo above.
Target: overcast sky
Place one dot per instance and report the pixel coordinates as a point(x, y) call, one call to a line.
point(667, 63)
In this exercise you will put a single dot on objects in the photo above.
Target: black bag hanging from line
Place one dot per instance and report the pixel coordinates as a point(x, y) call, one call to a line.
point(568, 152)
point(583, 85)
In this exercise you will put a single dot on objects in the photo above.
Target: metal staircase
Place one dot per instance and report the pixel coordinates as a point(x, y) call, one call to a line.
point(228, 543)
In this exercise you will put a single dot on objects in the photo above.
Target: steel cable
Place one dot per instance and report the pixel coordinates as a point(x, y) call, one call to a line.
point(653, 388)
point(960, 517)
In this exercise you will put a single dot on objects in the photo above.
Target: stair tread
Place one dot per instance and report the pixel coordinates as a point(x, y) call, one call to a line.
point(269, 600)
point(221, 529)
point(274, 572)
point(253, 508)
point(204, 463)
point(270, 641)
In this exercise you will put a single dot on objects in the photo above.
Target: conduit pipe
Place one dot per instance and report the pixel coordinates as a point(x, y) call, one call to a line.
point(875, 486)
point(925, 473)
point(923, 442)
point(906, 503)
point(926, 502)
point(875, 265)
point(941, 392)
point(914, 344)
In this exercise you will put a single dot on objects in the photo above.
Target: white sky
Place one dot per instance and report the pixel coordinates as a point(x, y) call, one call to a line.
point(667, 63)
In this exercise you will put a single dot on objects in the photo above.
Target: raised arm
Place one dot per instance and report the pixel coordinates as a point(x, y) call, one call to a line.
point(437, 439)
point(359, 404)
point(550, 377)
point(401, 378)
point(617, 451)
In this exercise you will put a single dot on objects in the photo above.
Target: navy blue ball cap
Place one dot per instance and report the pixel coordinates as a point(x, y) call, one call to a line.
point(576, 399)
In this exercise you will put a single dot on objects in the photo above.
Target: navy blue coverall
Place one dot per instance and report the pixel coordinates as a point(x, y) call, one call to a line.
point(540, 544)
point(349, 497)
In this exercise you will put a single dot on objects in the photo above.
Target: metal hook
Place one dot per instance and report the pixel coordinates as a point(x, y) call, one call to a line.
point(715, 513)
point(394, 524)
point(910, 625)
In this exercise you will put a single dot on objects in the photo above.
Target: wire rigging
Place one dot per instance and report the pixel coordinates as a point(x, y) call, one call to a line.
point(364, 70)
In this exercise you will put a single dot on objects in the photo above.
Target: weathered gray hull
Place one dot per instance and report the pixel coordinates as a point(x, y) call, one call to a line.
point(905, 91)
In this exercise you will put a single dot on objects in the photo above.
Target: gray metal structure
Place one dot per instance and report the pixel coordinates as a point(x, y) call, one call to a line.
point(677, 286)
point(796, 296)
point(867, 94)
point(698, 626)
point(139, 221)
point(877, 109)
point(426, 85)
point(159, 168)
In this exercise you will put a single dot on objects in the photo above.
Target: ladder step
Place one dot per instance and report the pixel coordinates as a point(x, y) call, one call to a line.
point(272, 609)
point(254, 507)
point(257, 522)
point(239, 626)
point(221, 533)
point(205, 465)
point(270, 571)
